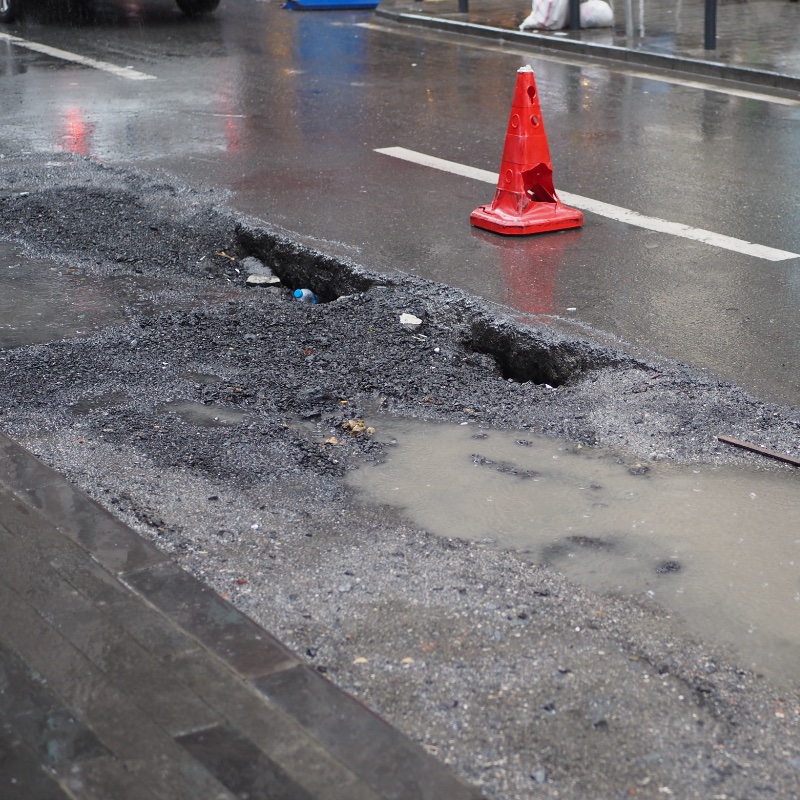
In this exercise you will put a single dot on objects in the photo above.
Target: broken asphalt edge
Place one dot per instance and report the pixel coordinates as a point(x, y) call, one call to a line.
point(523, 353)
point(525, 348)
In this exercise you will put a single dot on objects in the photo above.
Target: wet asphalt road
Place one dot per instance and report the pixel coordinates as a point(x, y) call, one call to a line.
point(283, 112)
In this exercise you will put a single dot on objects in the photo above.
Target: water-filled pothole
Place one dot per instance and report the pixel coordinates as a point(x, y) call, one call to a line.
point(104, 401)
point(719, 546)
point(43, 300)
point(205, 416)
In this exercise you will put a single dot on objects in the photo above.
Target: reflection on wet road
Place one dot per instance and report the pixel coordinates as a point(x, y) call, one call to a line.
point(42, 301)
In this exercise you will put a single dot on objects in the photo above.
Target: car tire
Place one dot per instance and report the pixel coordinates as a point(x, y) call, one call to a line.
point(9, 10)
point(191, 8)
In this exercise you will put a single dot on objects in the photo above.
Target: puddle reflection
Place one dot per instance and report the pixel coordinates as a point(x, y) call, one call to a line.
point(720, 547)
point(42, 301)
point(204, 416)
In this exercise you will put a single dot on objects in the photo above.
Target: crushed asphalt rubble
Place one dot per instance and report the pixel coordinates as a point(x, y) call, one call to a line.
point(525, 684)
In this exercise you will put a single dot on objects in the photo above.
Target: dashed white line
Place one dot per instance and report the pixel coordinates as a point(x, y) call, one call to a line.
point(603, 209)
point(75, 58)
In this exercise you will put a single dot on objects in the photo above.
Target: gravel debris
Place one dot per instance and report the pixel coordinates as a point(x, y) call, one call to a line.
point(525, 684)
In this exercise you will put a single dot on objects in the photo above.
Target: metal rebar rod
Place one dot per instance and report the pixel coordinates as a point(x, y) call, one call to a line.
point(758, 449)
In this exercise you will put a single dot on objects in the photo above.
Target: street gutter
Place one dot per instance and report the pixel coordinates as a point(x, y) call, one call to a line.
point(601, 52)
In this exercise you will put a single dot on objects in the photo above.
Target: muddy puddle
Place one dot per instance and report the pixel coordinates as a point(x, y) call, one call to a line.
point(205, 416)
point(42, 301)
point(718, 547)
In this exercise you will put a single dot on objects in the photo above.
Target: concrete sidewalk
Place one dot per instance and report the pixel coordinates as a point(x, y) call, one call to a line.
point(122, 676)
point(758, 41)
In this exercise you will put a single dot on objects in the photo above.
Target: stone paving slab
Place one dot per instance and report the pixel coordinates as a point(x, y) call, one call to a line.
point(122, 676)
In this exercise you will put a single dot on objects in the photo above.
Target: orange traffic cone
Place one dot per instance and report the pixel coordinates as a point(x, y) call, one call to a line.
point(526, 201)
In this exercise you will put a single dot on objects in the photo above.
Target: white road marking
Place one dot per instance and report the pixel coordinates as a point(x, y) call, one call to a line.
point(603, 209)
point(75, 58)
point(692, 83)
point(621, 69)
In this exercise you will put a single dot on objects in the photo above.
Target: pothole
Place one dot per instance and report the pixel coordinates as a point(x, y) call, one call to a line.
point(43, 300)
point(104, 401)
point(202, 378)
point(204, 416)
point(717, 546)
point(302, 268)
point(526, 355)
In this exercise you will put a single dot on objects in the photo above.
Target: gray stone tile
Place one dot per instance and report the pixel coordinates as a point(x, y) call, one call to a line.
point(21, 470)
point(21, 774)
point(393, 765)
point(238, 764)
point(154, 689)
point(79, 642)
point(41, 646)
point(151, 629)
point(21, 689)
point(148, 752)
point(40, 488)
point(45, 724)
point(216, 623)
point(104, 779)
point(42, 587)
point(113, 544)
point(18, 518)
point(29, 573)
point(28, 565)
point(112, 651)
point(272, 730)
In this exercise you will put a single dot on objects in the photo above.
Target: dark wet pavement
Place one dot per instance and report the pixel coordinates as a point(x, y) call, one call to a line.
point(284, 111)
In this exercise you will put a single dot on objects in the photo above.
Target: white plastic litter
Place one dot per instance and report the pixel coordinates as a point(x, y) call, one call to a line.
point(553, 15)
point(596, 14)
point(410, 321)
point(547, 15)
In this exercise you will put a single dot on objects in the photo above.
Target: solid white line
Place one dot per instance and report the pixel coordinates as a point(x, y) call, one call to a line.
point(747, 94)
point(65, 55)
point(603, 209)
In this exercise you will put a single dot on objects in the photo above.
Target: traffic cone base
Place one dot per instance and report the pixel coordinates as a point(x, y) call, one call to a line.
point(525, 201)
point(505, 215)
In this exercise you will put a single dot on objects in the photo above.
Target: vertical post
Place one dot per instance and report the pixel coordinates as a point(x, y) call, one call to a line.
point(574, 15)
point(711, 25)
point(463, 6)
point(629, 19)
